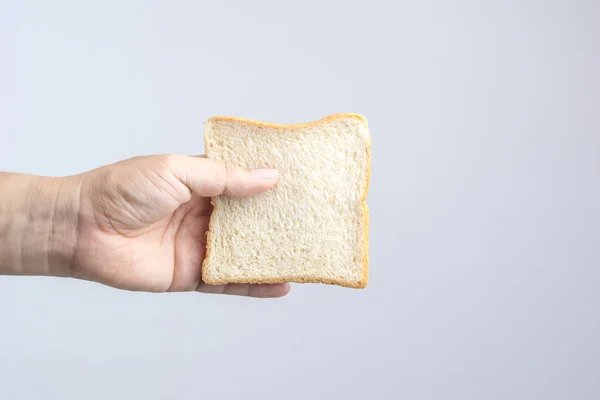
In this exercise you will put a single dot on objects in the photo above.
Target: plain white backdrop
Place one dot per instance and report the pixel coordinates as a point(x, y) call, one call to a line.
point(485, 195)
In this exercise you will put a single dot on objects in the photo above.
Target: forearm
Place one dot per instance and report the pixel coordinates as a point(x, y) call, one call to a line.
point(38, 224)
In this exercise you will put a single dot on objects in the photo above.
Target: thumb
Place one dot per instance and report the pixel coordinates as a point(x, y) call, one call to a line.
point(208, 178)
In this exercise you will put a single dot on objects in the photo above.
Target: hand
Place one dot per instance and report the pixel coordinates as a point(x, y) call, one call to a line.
point(142, 222)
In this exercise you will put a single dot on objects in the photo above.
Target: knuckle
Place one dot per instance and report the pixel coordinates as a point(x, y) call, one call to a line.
point(228, 172)
point(168, 160)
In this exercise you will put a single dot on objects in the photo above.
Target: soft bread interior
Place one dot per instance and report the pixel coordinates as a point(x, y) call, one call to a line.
point(313, 226)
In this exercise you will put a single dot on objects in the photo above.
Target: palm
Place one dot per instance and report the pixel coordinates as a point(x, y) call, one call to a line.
point(147, 235)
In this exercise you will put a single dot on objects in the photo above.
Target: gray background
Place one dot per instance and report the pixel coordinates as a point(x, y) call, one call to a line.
point(485, 196)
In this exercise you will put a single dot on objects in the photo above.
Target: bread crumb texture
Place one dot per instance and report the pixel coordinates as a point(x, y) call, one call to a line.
point(312, 227)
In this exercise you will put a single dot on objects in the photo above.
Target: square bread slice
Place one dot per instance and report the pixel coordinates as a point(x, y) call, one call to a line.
point(313, 226)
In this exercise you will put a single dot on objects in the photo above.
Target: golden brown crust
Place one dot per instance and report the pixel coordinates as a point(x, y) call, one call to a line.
point(366, 218)
point(293, 126)
point(298, 279)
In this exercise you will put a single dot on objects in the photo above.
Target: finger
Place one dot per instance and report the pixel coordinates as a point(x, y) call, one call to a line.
point(208, 178)
point(248, 290)
point(269, 290)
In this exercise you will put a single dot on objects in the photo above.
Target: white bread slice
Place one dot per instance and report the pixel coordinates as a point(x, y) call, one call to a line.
point(313, 226)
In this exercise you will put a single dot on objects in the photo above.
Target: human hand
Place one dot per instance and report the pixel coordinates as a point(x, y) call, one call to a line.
point(142, 223)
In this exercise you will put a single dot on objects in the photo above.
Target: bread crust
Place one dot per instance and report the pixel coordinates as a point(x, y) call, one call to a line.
point(328, 118)
point(365, 209)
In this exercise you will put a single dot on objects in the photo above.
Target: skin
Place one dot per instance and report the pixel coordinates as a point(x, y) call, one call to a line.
point(139, 224)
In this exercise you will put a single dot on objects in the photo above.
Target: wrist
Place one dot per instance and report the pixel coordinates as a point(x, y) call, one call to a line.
point(63, 224)
point(38, 224)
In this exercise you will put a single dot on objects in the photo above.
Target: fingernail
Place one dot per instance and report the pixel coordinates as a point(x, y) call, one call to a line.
point(268, 173)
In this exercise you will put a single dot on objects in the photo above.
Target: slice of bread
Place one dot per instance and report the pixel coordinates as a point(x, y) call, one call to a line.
point(313, 226)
